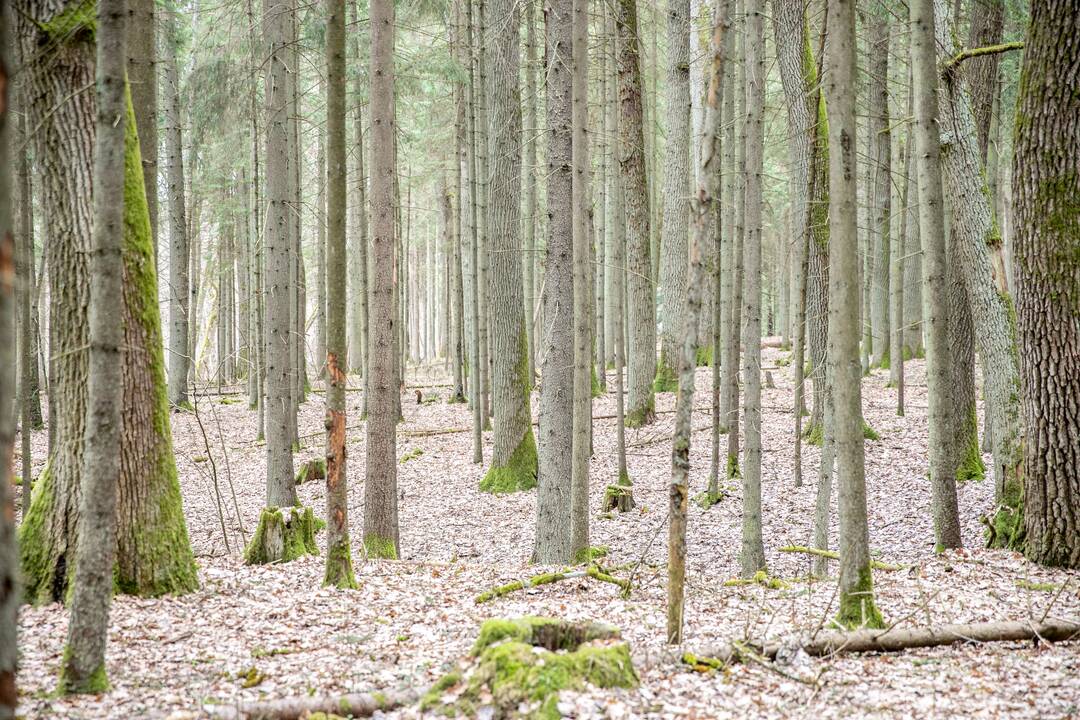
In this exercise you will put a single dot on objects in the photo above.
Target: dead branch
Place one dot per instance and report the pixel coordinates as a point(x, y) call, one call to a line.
point(592, 571)
point(836, 556)
point(293, 708)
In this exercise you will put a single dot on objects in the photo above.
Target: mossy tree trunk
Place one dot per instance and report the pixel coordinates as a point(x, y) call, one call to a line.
point(513, 458)
point(153, 552)
point(1046, 176)
point(380, 488)
point(856, 586)
point(631, 158)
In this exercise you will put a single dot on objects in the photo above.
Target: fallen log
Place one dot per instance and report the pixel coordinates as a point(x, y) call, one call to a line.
point(592, 571)
point(835, 556)
point(292, 708)
point(830, 642)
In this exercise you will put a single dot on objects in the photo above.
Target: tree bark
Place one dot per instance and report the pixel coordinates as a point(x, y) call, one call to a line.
point(554, 498)
point(180, 286)
point(935, 304)
point(631, 154)
point(359, 272)
point(513, 457)
point(856, 597)
point(142, 77)
point(1046, 176)
point(380, 488)
point(880, 191)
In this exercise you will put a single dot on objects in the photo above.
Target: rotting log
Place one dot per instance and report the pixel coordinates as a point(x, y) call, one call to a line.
point(593, 571)
point(830, 642)
point(355, 705)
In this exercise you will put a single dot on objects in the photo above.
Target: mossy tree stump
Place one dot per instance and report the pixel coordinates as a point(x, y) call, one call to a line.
point(519, 667)
point(283, 535)
point(312, 470)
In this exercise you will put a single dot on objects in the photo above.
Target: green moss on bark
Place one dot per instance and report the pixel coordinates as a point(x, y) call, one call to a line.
point(312, 470)
point(857, 608)
point(282, 535)
point(643, 415)
point(667, 379)
point(1005, 529)
point(95, 683)
point(380, 548)
point(339, 569)
point(518, 474)
point(703, 356)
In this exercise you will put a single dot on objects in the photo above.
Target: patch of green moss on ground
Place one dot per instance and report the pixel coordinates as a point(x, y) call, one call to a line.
point(411, 455)
point(667, 379)
point(869, 433)
point(521, 666)
point(857, 608)
point(519, 472)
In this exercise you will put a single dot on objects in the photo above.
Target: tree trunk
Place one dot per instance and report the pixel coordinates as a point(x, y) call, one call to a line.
point(631, 154)
point(880, 191)
point(677, 177)
point(935, 304)
point(554, 498)
point(1047, 181)
point(752, 557)
point(380, 487)
point(513, 457)
point(180, 287)
point(856, 585)
point(358, 245)
point(142, 77)
point(321, 221)
point(339, 570)
point(531, 170)
point(82, 669)
point(987, 22)
point(9, 595)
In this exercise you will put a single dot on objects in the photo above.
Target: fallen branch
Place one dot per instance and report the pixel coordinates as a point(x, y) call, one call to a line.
point(979, 52)
point(292, 708)
point(830, 642)
point(592, 571)
point(836, 556)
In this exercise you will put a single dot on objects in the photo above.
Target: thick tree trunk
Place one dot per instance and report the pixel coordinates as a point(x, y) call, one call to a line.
point(513, 457)
point(142, 77)
point(380, 487)
point(631, 155)
point(677, 177)
point(935, 303)
point(856, 596)
point(1046, 176)
point(554, 498)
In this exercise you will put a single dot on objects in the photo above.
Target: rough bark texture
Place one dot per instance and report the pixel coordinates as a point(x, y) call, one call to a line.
point(554, 505)
point(9, 596)
point(976, 236)
point(856, 596)
point(752, 557)
point(1046, 178)
point(677, 177)
point(142, 78)
point(153, 554)
point(380, 488)
point(359, 267)
point(339, 570)
point(531, 171)
point(935, 302)
point(631, 157)
point(987, 23)
point(83, 666)
point(513, 457)
point(880, 190)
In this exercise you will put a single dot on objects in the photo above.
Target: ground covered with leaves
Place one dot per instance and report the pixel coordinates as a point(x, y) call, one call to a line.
point(267, 632)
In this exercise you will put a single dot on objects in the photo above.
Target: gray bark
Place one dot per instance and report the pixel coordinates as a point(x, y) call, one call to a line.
point(180, 287)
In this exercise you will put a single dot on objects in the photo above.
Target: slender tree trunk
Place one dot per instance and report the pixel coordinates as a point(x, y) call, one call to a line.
point(1047, 180)
point(554, 498)
point(358, 243)
point(677, 176)
point(339, 570)
point(896, 278)
point(513, 458)
point(880, 191)
point(707, 186)
point(856, 585)
point(752, 557)
point(9, 595)
point(631, 154)
point(735, 325)
point(180, 287)
point(321, 221)
point(83, 667)
point(380, 487)
point(935, 312)
point(532, 169)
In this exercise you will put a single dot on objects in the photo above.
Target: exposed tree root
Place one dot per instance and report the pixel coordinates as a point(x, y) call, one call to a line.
point(836, 556)
point(593, 571)
point(293, 708)
point(830, 642)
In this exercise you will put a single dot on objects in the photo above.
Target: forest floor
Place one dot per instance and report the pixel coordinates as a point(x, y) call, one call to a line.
point(274, 631)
